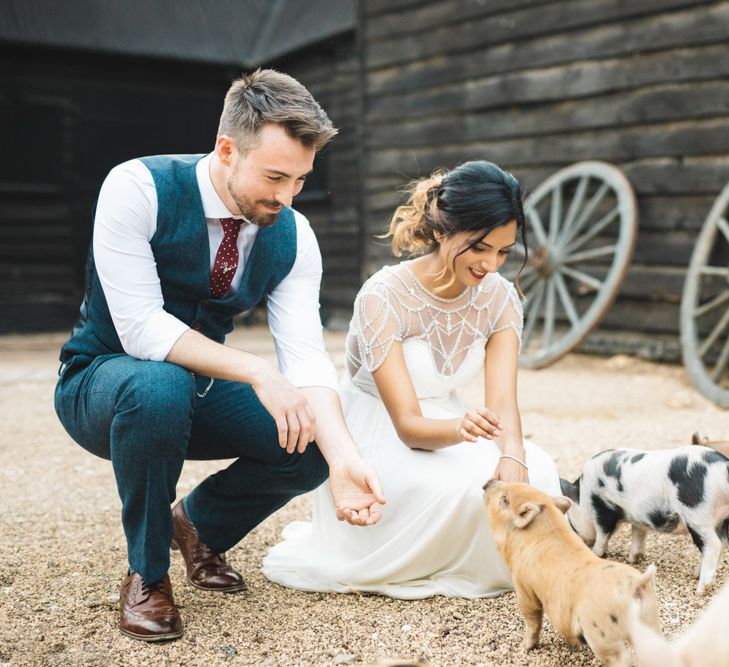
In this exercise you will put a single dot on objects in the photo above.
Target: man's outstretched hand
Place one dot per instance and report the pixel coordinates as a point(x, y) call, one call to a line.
point(357, 493)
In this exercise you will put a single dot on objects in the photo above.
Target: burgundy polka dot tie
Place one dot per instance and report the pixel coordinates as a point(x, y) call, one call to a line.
point(226, 259)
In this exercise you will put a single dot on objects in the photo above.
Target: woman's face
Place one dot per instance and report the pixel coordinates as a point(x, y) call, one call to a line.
point(472, 265)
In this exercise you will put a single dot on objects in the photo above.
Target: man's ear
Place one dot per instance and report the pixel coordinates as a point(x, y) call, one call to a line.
point(224, 147)
point(562, 503)
point(526, 513)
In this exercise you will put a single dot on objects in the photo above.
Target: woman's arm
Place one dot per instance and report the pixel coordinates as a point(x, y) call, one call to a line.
point(398, 394)
point(500, 371)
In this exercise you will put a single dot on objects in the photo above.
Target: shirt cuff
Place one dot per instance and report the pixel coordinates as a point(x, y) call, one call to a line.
point(309, 374)
point(158, 337)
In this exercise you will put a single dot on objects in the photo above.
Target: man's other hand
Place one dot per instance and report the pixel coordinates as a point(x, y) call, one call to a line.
point(295, 420)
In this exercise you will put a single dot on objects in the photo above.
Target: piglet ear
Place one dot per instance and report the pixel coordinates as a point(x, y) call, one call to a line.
point(562, 503)
point(570, 489)
point(526, 513)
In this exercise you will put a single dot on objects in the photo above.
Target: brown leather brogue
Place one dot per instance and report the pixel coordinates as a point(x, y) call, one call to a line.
point(148, 612)
point(205, 568)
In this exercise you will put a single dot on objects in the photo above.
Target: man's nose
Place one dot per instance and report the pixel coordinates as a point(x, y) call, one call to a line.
point(285, 196)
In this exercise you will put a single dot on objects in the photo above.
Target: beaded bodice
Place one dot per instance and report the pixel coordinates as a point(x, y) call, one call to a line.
point(393, 305)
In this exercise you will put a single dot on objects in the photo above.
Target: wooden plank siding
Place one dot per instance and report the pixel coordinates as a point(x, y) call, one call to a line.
point(535, 85)
point(330, 200)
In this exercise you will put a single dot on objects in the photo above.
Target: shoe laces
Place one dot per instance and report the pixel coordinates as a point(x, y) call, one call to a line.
point(148, 589)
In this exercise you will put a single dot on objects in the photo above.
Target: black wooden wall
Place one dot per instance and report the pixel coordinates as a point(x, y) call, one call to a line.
point(538, 84)
point(67, 118)
point(70, 116)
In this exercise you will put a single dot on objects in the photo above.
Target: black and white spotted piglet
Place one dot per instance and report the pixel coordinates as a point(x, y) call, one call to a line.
point(669, 490)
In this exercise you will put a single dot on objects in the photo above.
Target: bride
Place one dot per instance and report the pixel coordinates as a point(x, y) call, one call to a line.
point(420, 330)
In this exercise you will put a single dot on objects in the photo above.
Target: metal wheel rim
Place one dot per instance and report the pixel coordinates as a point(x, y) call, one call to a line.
point(693, 348)
point(576, 225)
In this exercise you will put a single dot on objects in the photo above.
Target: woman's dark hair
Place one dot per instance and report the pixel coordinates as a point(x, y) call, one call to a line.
point(475, 196)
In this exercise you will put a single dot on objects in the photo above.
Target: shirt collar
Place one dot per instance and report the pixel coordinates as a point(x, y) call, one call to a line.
point(212, 203)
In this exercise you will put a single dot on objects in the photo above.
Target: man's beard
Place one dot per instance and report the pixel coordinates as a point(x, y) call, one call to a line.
point(248, 209)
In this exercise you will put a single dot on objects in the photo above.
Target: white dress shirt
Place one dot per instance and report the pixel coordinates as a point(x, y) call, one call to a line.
point(126, 220)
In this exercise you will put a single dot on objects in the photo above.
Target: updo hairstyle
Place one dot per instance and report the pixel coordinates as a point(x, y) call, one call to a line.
point(475, 196)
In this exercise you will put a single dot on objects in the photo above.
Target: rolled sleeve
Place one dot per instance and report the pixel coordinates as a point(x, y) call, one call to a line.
point(126, 219)
point(293, 317)
point(157, 337)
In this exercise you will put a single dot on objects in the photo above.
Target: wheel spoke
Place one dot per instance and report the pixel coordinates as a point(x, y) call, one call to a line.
point(721, 362)
point(720, 271)
point(555, 210)
point(532, 291)
point(715, 333)
point(538, 226)
point(716, 302)
point(603, 222)
point(582, 277)
point(528, 280)
point(548, 315)
point(593, 253)
point(564, 297)
point(532, 314)
point(724, 226)
point(575, 204)
point(585, 215)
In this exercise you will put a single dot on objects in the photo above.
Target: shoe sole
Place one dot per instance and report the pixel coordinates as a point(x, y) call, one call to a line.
point(152, 638)
point(230, 589)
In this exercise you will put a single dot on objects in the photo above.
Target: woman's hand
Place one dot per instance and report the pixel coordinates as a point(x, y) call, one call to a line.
point(480, 423)
point(509, 470)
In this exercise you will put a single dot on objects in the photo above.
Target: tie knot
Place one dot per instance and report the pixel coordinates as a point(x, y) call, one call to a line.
point(231, 226)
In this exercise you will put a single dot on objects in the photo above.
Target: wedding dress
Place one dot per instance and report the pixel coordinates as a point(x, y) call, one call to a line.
point(433, 537)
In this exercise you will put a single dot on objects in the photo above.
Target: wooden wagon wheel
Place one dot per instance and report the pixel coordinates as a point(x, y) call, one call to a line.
point(705, 306)
point(581, 231)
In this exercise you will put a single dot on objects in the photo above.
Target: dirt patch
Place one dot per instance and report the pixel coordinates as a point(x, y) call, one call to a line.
point(63, 550)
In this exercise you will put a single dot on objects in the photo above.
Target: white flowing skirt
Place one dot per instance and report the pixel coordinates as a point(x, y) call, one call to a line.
point(433, 538)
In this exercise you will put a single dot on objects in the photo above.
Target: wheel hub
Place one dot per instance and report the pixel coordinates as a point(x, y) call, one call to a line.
point(543, 261)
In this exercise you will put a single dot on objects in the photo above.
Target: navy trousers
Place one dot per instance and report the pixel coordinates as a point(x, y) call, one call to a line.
point(147, 417)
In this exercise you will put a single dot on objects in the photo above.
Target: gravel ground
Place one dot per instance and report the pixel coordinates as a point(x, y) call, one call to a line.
point(63, 551)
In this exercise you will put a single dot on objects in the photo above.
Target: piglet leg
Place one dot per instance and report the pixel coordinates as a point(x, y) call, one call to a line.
point(637, 543)
point(601, 542)
point(606, 518)
point(710, 545)
point(531, 609)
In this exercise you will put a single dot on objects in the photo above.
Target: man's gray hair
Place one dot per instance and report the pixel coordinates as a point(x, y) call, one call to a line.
point(267, 96)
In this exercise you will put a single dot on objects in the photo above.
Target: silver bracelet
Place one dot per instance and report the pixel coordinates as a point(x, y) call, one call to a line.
point(513, 458)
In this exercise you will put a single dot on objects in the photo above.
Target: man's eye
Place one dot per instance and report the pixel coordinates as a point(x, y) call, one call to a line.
point(274, 178)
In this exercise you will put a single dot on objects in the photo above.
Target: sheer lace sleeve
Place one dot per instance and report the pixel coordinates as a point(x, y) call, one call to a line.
point(507, 310)
point(375, 325)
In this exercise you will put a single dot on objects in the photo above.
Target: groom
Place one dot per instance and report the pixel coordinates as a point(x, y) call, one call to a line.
point(181, 245)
